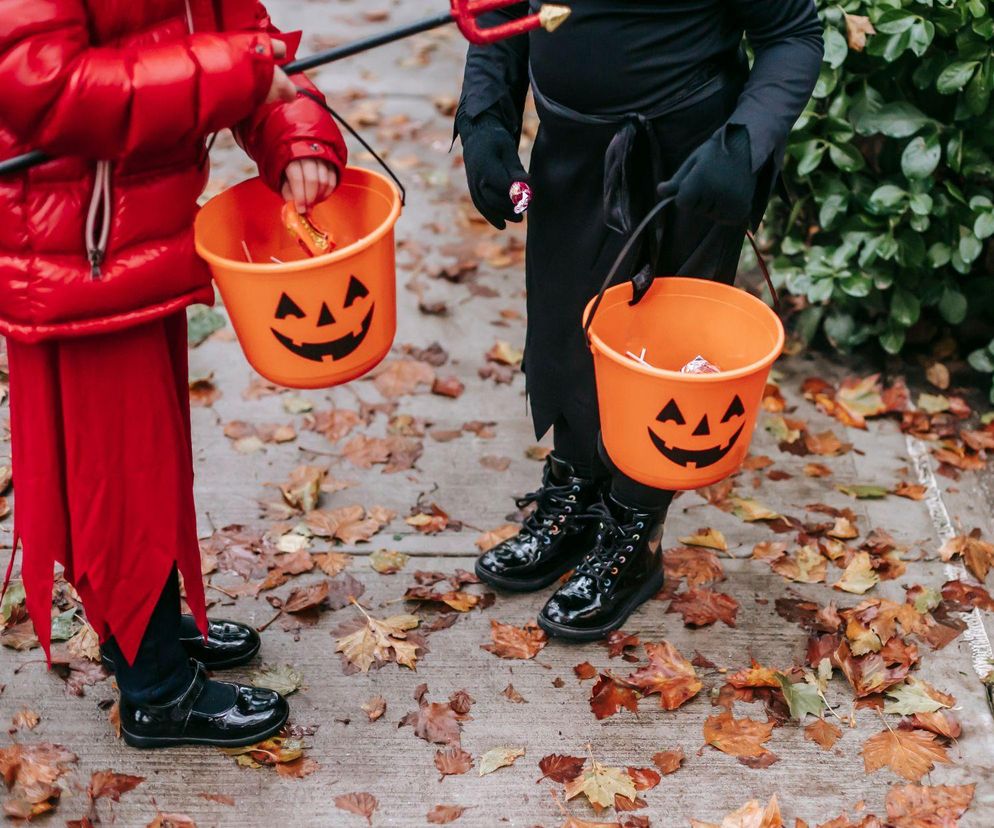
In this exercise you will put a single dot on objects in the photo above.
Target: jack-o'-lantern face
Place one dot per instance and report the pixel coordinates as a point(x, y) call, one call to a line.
point(703, 446)
point(315, 340)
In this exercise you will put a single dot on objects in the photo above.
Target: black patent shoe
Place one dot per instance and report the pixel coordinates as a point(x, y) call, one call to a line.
point(255, 714)
point(228, 644)
point(552, 539)
point(623, 571)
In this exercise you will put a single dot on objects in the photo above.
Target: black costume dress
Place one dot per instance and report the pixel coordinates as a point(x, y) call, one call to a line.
point(625, 91)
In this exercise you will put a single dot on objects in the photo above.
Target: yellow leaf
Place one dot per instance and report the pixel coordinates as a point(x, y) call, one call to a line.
point(709, 538)
point(859, 576)
point(499, 757)
point(601, 784)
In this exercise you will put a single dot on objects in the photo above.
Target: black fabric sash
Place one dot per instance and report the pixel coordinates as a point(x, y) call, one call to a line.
point(621, 192)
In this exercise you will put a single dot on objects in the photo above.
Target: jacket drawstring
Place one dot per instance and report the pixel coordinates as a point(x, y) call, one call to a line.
point(100, 207)
point(100, 201)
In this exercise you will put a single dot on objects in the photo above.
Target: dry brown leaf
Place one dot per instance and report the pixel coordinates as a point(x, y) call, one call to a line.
point(697, 565)
point(701, 607)
point(332, 563)
point(857, 28)
point(302, 489)
point(452, 761)
point(172, 820)
point(978, 555)
point(504, 353)
point(363, 804)
point(910, 754)
point(737, 737)
point(669, 674)
point(585, 670)
point(609, 695)
point(509, 641)
point(375, 707)
point(32, 773)
point(938, 806)
point(668, 761)
point(444, 814)
point(823, 733)
point(560, 768)
point(25, 719)
point(754, 815)
point(107, 783)
point(379, 642)
point(397, 377)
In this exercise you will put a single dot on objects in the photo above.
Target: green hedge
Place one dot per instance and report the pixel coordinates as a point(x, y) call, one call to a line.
point(891, 170)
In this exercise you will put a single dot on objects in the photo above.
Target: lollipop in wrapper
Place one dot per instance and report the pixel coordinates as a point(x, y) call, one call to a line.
point(312, 239)
point(699, 365)
point(521, 197)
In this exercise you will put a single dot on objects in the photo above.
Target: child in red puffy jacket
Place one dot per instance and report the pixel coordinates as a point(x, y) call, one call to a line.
point(97, 266)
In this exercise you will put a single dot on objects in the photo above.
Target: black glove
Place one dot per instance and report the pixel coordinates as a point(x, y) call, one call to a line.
point(490, 154)
point(717, 181)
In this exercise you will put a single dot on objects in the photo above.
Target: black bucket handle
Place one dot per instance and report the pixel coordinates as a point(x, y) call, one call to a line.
point(317, 99)
point(667, 191)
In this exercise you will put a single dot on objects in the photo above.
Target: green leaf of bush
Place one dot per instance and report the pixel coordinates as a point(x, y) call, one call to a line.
point(955, 76)
point(921, 157)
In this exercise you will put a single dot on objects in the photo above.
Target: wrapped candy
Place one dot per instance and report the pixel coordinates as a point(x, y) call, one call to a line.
point(313, 240)
point(699, 365)
point(521, 197)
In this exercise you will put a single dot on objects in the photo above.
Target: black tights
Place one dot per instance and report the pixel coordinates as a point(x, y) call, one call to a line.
point(585, 452)
point(161, 669)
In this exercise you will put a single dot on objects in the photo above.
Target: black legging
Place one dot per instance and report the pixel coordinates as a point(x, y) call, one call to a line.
point(585, 452)
point(161, 670)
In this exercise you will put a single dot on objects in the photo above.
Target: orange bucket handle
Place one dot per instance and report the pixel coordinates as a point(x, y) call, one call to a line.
point(667, 192)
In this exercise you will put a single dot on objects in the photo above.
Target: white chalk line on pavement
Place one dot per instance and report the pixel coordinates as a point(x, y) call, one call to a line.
point(975, 633)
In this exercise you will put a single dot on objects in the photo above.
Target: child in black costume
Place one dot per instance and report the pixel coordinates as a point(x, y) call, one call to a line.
point(630, 93)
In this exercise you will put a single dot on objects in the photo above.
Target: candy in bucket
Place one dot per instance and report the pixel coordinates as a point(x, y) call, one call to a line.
point(698, 365)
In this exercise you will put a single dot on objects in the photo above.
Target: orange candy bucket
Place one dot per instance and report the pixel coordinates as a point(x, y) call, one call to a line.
point(672, 430)
point(307, 322)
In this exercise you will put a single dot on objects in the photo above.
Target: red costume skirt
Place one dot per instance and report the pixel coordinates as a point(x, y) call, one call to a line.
point(103, 475)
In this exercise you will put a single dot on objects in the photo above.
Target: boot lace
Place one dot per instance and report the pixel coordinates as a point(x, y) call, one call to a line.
point(615, 542)
point(553, 506)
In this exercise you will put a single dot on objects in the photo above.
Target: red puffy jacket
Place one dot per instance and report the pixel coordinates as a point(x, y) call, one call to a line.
point(122, 93)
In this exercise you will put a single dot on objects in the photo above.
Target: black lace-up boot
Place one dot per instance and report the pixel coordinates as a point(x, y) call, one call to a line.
point(552, 538)
point(624, 569)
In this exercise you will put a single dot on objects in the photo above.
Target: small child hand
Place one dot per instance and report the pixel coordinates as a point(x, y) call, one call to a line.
point(308, 181)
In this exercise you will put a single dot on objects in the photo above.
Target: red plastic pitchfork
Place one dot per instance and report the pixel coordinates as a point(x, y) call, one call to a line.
point(466, 12)
point(463, 13)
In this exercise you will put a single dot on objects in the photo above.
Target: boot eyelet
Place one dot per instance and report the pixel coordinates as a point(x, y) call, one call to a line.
point(639, 525)
point(629, 549)
point(635, 537)
point(614, 570)
point(576, 489)
point(571, 498)
point(569, 510)
point(622, 559)
point(607, 582)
